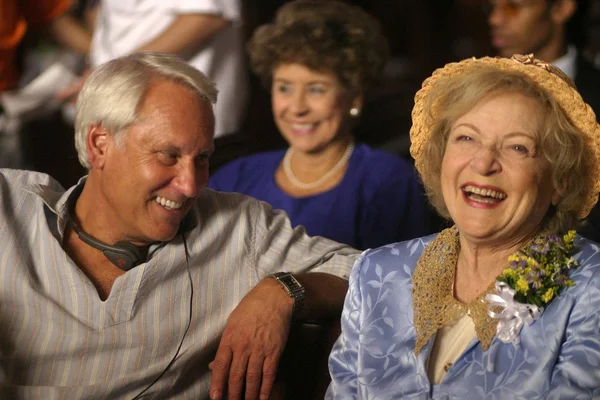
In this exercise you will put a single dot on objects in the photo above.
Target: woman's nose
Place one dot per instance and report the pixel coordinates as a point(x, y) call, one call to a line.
point(485, 161)
point(299, 104)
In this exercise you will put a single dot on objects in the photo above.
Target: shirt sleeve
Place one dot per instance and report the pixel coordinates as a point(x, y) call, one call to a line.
point(343, 360)
point(229, 9)
point(41, 12)
point(279, 247)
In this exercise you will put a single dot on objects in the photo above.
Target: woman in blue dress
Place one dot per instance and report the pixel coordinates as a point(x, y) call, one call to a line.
point(319, 58)
point(506, 303)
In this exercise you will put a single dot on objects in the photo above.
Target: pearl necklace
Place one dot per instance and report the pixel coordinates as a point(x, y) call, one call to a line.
point(287, 169)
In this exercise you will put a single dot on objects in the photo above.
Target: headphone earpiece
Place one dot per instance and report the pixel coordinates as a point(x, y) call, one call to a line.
point(123, 254)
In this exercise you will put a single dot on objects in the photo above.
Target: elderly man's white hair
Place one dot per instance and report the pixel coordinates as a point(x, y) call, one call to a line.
point(114, 92)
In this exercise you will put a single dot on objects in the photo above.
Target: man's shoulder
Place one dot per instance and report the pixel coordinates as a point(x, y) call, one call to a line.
point(15, 180)
point(212, 203)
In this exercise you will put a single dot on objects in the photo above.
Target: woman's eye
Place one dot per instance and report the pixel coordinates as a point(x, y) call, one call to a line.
point(520, 149)
point(283, 88)
point(463, 138)
point(316, 90)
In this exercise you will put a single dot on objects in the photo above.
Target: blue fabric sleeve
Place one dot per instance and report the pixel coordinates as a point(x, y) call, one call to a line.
point(576, 374)
point(343, 360)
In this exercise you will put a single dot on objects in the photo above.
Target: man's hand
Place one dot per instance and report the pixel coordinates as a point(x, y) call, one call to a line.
point(70, 93)
point(253, 340)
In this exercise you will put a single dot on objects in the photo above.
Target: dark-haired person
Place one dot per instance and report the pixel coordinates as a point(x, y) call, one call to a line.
point(553, 31)
point(133, 281)
point(319, 58)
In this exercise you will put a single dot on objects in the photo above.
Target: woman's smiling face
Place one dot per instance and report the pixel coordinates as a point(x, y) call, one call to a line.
point(495, 184)
point(310, 108)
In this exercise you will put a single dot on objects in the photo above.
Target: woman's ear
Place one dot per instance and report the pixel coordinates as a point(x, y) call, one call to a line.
point(556, 197)
point(356, 107)
point(357, 102)
point(97, 143)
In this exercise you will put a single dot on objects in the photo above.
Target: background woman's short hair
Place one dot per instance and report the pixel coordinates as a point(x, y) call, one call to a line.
point(325, 36)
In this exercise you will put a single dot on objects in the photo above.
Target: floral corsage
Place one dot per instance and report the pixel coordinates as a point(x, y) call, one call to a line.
point(535, 276)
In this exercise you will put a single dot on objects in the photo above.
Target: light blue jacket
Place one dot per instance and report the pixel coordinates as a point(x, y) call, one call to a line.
point(558, 357)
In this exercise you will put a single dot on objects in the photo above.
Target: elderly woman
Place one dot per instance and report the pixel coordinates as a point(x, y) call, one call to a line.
point(506, 303)
point(319, 58)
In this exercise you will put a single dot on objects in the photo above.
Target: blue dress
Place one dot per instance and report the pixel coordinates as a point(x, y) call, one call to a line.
point(558, 356)
point(379, 200)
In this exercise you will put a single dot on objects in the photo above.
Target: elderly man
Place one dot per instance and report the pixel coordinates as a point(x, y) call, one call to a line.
point(130, 283)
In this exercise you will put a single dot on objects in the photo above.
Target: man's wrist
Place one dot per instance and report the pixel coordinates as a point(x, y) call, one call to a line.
point(293, 289)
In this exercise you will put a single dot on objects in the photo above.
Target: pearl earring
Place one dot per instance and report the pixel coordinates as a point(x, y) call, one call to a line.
point(354, 112)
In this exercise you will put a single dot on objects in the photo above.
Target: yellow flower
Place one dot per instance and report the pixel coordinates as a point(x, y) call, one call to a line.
point(510, 273)
point(522, 286)
point(548, 295)
point(513, 257)
point(569, 237)
point(531, 263)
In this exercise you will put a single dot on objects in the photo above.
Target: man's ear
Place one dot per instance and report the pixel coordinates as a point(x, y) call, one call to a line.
point(562, 11)
point(98, 140)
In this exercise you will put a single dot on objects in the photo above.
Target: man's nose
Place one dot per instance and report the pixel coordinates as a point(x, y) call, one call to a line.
point(190, 180)
point(497, 14)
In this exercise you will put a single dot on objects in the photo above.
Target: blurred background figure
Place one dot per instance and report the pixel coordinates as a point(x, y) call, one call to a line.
point(207, 33)
point(20, 21)
point(318, 58)
point(553, 31)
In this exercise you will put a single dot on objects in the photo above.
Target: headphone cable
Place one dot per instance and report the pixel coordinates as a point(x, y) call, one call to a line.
point(187, 262)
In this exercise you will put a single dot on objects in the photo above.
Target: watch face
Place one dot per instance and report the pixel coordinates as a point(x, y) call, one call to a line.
point(290, 281)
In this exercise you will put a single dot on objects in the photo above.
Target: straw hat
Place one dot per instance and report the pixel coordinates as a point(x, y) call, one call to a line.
point(548, 77)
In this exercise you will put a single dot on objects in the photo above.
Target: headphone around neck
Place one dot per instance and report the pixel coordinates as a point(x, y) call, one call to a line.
point(123, 254)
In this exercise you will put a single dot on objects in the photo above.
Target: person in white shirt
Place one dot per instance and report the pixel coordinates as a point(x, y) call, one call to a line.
point(206, 33)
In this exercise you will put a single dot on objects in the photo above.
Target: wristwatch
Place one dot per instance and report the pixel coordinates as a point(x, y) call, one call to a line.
point(293, 288)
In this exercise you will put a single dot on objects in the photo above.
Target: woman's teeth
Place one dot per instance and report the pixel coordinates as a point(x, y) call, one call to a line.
point(484, 193)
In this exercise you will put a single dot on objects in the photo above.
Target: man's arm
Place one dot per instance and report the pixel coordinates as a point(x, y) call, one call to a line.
point(189, 32)
point(68, 32)
point(257, 331)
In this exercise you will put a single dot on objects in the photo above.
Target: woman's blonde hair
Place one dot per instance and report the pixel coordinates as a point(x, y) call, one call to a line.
point(559, 141)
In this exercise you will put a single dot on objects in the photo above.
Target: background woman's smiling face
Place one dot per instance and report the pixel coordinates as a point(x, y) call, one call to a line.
point(310, 108)
point(496, 185)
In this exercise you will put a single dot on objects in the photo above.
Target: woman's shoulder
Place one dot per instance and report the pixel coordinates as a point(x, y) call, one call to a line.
point(244, 170)
point(392, 256)
point(588, 257)
point(259, 159)
point(375, 170)
point(380, 159)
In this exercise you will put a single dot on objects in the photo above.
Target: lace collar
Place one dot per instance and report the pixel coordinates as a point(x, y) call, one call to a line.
point(433, 298)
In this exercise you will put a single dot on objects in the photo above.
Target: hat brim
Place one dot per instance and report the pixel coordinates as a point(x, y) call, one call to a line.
point(548, 77)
